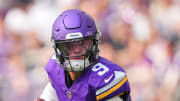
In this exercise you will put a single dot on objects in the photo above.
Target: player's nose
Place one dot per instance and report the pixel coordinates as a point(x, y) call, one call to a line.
point(76, 50)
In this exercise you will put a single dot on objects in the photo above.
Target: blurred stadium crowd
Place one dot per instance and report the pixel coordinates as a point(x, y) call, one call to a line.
point(143, 36)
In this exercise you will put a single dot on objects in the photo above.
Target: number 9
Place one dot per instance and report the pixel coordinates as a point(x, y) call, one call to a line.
point(102, 69)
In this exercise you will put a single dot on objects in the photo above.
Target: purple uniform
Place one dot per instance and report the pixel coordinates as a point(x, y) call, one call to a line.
point(101, 81)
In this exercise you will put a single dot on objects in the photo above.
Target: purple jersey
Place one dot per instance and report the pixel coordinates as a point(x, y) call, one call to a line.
point(101, 81)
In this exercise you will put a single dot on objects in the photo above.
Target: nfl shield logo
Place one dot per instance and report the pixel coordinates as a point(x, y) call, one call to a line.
point(69, 94)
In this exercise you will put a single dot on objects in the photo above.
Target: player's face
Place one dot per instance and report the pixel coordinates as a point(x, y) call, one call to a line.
point(75, 49)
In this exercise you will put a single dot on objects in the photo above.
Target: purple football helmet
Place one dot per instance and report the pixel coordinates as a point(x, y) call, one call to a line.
point(75, 27)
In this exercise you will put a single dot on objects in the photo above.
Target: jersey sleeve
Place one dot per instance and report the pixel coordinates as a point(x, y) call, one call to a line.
point(114, 85)
point(49, 93)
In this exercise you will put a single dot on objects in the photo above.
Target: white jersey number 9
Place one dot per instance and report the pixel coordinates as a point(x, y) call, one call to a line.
point(102, 69)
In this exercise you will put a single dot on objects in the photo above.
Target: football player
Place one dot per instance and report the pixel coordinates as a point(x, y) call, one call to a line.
point(76, 71)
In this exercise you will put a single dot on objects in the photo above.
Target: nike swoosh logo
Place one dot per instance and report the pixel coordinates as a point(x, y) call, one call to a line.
point(118, 76)
point(108, 79)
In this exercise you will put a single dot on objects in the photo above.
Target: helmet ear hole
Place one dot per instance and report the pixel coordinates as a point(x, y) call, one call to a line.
point(89, 26)
point(57, 30)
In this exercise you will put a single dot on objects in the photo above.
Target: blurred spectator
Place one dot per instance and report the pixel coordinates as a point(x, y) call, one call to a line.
point(140, 35)
point(1, 31)
point(105, 48)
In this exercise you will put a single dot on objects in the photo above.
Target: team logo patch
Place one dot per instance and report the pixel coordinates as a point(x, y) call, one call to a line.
point(69, 94)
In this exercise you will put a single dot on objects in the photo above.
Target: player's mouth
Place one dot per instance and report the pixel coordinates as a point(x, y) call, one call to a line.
point(76, 58)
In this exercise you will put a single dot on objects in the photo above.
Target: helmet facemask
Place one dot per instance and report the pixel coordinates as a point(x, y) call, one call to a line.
point(76, 54)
